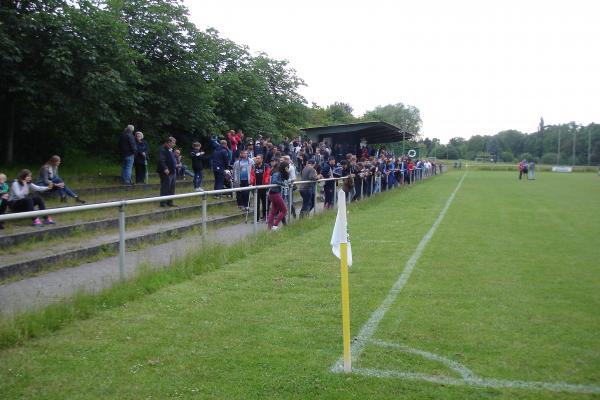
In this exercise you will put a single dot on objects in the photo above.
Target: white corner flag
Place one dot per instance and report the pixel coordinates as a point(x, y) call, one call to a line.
point(340, 230)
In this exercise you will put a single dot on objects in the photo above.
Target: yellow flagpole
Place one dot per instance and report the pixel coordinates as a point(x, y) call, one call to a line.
point(345, 306)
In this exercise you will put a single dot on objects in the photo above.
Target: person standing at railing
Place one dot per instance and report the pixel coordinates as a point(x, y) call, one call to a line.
point(167, 170)
point(376, 177)
point(307, 190)
point(411, 171)
point(287, 192)
point(197, 156)
point(220, 160)
point(260, 174)
point(127, 149)
point(24, 196)
point(329, 188)
point(391, 170)
point(318, 158)
point(348, 181)
point(368, 178)
point(278, 209)
point(241, 178)
point(141, 158)
point(403, 166)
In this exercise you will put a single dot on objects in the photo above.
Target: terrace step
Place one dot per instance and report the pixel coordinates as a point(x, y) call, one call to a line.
point(39, 234)
point(44, 258)
point(40, 259)
point(93, 191)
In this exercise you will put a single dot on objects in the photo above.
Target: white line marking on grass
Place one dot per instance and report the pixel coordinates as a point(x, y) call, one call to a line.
point(479, 382)
point(464, 372)
point(468, 377)
point(368, 329)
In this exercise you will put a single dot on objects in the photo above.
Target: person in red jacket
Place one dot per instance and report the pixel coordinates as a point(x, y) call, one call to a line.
point(260, 174)
point(411, 171)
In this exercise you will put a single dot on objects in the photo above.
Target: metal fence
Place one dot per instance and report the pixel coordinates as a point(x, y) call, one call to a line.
point(416, 175)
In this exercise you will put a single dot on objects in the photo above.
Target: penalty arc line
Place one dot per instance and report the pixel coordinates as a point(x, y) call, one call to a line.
point(369, 328)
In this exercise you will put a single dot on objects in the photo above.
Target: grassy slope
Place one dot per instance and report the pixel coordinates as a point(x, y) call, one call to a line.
point(269, 325)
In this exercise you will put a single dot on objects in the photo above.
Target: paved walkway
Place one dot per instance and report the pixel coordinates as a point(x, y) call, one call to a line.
point(34, 292)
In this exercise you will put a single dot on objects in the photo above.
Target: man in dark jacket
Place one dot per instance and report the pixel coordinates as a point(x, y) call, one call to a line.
point(127, 148)
point(220, 160)
point(166, 170)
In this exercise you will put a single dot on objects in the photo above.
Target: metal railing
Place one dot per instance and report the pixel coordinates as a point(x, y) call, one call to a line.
point(121, 204)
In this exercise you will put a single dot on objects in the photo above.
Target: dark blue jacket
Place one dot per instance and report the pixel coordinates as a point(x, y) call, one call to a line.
point(127, 144)
point(220, 159)
point(141, 147)
point(277, 179)
point(166, 159)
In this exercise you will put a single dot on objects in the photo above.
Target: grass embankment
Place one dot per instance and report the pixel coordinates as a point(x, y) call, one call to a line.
point(497, 289)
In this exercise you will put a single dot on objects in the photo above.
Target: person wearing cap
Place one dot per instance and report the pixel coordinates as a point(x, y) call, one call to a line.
point(307, 190)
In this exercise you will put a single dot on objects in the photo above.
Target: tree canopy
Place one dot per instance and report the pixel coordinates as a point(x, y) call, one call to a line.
point(542, 145)
point(74, 73)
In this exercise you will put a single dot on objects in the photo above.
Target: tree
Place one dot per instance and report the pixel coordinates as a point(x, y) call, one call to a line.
point(75, 72)
point(340, 113)
point(507, 156)
point(407, 118)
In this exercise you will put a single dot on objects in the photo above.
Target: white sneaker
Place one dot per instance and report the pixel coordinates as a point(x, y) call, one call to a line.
point(199, 189)
point(274, 228)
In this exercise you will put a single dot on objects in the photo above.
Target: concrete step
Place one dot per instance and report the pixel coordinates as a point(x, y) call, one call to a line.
point(93, 191)
point(40, 259)
point(44, 258)
point(40, 234)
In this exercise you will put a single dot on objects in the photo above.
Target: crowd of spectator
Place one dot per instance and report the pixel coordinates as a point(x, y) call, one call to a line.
point(237, 162)
point(259, 161)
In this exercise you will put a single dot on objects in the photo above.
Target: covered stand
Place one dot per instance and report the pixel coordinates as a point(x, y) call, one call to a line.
point(352, 136)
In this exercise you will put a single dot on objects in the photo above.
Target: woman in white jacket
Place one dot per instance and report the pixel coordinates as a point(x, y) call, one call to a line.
point(23, 196)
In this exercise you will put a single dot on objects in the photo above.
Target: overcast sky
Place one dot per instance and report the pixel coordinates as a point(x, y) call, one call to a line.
point(471, 67)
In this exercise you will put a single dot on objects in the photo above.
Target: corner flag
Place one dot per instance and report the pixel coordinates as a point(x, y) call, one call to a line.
point(341, 248)
point(340, 229)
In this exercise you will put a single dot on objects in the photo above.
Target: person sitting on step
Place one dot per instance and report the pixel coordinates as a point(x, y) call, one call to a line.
point(23, 196)
point(49, 175)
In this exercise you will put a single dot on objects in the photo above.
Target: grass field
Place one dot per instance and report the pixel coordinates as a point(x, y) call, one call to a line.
point(507, 291)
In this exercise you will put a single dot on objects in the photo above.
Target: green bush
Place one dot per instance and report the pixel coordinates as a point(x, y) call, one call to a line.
point(507, 156)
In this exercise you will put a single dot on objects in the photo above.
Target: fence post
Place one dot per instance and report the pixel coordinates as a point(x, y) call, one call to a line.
point(255, 224)
point(290, 202)
point(122, 242)
point(362, 186)
point(315, 197)
point(204, 231)
point(267, 206)
point(335, 193)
